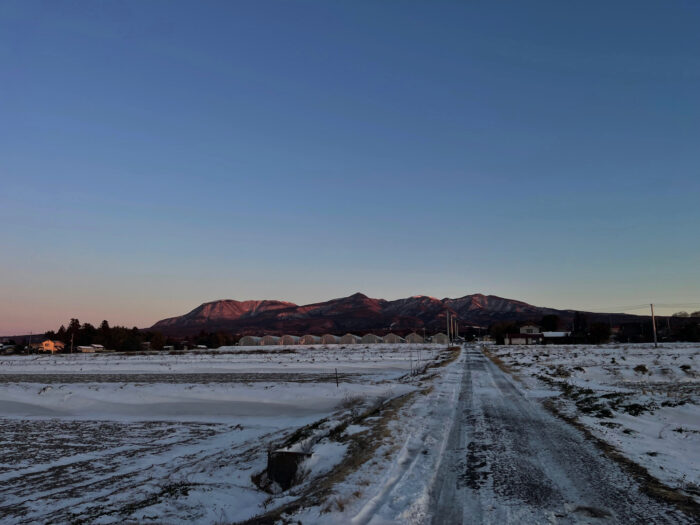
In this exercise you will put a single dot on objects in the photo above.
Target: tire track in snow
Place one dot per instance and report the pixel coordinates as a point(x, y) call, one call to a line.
point(510, 461)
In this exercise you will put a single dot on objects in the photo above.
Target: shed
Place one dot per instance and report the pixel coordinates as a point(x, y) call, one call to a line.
point(289, 340)
point(414, 338)
point(86, 349)
point(440, 339)
point(269, 340)
point(371, 339)
point(330, 339)
point(249, 340)
point(310, 340)
point(393, 339)
point(554, 335)
point(350, 339)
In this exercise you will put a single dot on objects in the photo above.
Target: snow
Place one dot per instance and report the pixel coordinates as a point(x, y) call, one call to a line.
point(159, 437)
point(394, 486)
point(390, 359)
point(176, 401)
point(652, 394)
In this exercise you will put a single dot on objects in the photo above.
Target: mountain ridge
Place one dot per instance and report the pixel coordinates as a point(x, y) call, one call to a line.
point(360, 313)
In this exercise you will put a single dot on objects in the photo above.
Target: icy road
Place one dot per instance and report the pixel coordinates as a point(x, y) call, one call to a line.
point(511, 461)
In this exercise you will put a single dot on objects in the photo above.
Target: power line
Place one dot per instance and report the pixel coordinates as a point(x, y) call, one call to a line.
point(616, 309)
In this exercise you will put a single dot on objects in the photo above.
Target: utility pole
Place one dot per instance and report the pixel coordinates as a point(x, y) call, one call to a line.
point(653, 324)
point(71, 343)
point(449, 339)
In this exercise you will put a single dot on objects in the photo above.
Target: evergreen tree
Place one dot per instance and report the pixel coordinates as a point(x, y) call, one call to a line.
point(105, 334)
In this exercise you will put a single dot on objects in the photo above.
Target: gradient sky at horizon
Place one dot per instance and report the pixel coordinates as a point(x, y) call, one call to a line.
point(157, 155)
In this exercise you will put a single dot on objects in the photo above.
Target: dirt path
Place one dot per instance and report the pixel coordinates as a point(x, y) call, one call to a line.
point(509, 461)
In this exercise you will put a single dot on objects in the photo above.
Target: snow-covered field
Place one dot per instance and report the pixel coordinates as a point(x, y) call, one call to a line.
point(644, 401)
point(108, 438)
point(387, 359)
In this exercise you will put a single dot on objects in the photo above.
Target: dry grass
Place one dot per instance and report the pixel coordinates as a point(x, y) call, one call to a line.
point(361, 449)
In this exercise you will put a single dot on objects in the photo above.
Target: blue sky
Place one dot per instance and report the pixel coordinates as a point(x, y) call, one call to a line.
point(157, 155)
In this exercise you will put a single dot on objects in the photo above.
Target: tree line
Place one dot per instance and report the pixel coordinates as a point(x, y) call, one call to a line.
point(124, 339)
point(583, 331)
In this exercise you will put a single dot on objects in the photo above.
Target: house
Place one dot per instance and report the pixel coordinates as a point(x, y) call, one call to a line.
point(168, 347)
point(414, 338)
point(49, 346)
point(529, 329)
point(98, 348)
point(86, 349)
point(522, 339)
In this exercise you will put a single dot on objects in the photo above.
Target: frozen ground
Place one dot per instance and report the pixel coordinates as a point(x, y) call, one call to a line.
point(409, 435)
point(641, 400)
point(472, 447)
point(387, 360)
point(116, 438)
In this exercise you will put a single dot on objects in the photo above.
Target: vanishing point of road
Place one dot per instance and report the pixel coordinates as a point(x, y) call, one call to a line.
point(510, 461)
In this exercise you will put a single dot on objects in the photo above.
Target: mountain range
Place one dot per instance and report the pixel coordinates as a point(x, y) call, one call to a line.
point(360, 314)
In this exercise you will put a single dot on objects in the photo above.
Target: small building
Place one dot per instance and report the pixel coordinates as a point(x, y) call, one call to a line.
point(529, 334)
point(440, 339)
point(249, 340)
point(330, 339)
point(555, 337)
point(168, 347)
point(523, 339)
point(371, 339)
point(98, 348)
point(288, 340)
point(87, 349)
point(350, 339)
point(50, 346)
point(201, 347)
point(393, 339)
point(309, 339)
point(270, 340)
point(414, 338)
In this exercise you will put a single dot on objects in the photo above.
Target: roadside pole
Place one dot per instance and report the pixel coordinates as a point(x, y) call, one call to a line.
point(653, 324)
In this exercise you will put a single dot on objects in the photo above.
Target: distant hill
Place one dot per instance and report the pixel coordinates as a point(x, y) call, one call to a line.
point(359, 313)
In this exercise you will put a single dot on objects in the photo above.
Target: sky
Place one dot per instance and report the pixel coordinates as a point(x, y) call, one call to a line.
point(158, 155)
